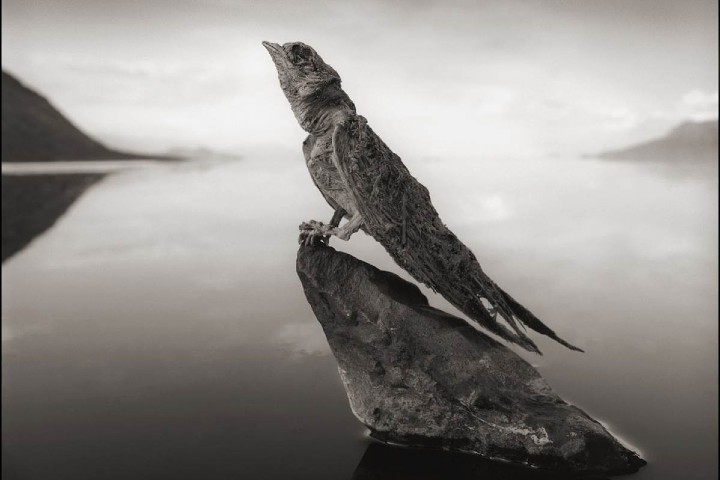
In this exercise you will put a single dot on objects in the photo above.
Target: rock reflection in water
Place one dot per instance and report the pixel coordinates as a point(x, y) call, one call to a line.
point(385, 462)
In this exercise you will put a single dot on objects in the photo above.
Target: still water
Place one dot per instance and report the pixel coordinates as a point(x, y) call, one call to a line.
point(158, 330)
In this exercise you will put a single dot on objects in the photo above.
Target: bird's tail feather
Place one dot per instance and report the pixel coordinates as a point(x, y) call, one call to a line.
point(527, 318)
point(482, 300)
point(516, 315)
point(477, 311)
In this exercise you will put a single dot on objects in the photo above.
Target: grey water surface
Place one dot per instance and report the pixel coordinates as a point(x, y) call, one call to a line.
point(158, 329)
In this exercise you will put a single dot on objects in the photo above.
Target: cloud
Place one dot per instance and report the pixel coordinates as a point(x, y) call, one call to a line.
point(472, 208)
point(620, 118)
point(696, 105)
point(699, 99)
point(480, 77)
point(699, 105)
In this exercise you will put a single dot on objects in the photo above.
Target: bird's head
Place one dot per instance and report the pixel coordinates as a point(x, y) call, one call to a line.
point(301, 70)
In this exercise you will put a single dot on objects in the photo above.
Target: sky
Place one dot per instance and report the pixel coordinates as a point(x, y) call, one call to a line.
point(433, 78)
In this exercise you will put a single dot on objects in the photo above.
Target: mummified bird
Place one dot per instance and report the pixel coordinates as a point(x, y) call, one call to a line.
point(364, 181)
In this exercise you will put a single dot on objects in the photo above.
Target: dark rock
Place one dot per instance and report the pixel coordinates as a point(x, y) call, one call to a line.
point(418, 376)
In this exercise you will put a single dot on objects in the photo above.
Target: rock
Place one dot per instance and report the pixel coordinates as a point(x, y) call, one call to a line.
point(418, 376)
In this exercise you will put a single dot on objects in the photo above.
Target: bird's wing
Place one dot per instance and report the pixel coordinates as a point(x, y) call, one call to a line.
point(398, 213)
point(307, 148)
point(327, 197)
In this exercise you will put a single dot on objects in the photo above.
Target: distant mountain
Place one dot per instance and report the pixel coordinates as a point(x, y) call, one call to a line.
point(202, 153)
point(34, 130)
point(688, 142)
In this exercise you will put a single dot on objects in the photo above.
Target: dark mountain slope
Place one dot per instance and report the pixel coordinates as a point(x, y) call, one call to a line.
point(34, 130)
point(690, 142)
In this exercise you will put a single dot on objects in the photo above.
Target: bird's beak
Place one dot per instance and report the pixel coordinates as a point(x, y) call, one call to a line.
point(277, 54)
point(274, 50)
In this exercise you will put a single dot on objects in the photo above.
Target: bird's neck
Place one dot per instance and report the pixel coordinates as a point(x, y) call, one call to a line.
point(321, 111)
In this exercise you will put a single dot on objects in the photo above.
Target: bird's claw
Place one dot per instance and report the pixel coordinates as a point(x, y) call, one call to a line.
point(314, 232)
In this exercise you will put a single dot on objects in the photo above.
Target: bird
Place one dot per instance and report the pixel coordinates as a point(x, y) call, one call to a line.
point(367, 184)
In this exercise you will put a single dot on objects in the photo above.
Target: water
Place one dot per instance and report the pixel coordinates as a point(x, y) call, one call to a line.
point(158, 330)
point(84, 166)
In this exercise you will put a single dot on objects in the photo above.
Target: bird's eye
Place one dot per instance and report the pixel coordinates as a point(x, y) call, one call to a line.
point(302, 54)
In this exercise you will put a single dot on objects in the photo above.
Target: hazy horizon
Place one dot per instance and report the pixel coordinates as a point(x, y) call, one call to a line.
point(434, 79)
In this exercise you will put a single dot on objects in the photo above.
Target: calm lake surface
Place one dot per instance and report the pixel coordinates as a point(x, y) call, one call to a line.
point(159, 330)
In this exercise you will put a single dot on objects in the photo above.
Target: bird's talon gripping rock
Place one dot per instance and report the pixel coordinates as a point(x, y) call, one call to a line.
point(314, 233)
